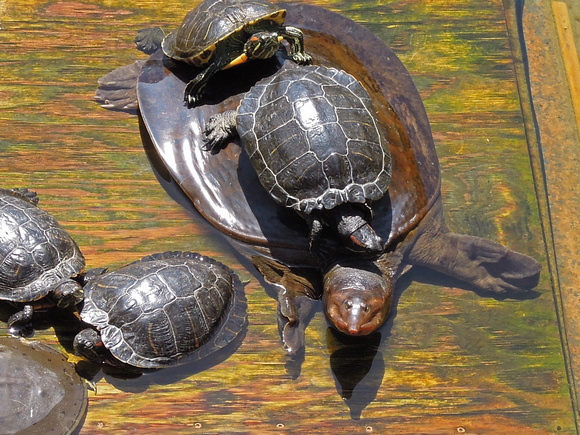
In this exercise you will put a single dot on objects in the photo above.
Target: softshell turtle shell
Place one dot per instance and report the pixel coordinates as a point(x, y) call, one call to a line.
point(218, 34)
point(40, 390)
point(154, 312)
point(312, 136)
point(37, 255)
point(225, 190)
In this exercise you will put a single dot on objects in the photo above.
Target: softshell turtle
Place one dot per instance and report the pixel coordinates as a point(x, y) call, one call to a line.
point(40, 390)
point(154, 312)
point(312, 135)
point(38, 258)
point(225, 190)
point(219, 34)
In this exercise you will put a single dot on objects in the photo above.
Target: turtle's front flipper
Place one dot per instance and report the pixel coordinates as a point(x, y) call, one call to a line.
point(488, 266)
point(149, 40)
point(220, 129)
point(297, 289)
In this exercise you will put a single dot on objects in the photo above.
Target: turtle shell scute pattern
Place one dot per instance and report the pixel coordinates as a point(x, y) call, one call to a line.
point(154, 311)
point(195, 40)
point(36, 253)
point(314, 140)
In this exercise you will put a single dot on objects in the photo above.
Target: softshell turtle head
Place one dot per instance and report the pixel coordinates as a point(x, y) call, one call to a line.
point(357, 298)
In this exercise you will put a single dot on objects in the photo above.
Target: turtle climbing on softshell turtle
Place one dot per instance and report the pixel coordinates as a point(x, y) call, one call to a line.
point(40, 390)
point(162, 310)
point(312, 136)
point(409, 218)
point(219, 34)
point(38, 259)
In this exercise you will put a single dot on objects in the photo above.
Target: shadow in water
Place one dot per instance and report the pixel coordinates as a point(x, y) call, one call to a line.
point(129, 379)
point(358, 368)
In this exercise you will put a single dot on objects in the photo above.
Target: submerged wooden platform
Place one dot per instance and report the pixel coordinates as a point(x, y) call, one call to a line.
point(499, 82)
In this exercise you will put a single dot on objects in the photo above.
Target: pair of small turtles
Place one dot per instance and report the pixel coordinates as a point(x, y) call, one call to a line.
point(149, 314)
point(226, 190)
point(311, 133)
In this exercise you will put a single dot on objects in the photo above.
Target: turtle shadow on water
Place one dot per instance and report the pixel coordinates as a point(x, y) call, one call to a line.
point(64, 322)
point(357, 366)
point(134, 380)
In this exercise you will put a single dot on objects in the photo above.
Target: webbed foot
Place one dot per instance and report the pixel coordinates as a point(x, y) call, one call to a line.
point(486, 265)
point(149, 40)
point(297, 292)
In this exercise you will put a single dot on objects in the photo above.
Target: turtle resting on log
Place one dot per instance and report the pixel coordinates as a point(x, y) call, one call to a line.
point(312, 136)
point(165, 309)
point(40, 263)
point(219, 34)
point(225, 189)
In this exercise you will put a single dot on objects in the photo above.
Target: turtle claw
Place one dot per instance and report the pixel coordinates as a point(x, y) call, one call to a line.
point(219, 130)
point(302, 58)
point(191, 99)
point(20, 323)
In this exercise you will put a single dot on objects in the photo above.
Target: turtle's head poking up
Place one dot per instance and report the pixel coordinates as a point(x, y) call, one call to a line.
point(356, 300)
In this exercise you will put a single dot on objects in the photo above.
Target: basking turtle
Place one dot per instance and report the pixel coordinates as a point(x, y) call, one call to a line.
point(40, 390)
point(219, 34)
point(155, 311)
point(38, 258)
point(312, 136)
point(225, 189)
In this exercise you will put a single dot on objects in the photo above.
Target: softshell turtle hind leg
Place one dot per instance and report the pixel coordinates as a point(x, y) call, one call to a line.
point(486, 265)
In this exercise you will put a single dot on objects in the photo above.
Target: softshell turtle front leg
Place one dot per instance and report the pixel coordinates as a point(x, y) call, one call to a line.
point(488, 266)
point(298, 289)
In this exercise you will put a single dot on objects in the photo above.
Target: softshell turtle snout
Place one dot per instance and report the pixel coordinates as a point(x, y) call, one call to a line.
point(357, 301)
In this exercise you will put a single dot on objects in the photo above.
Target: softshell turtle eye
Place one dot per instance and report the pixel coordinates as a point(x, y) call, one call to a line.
point(348, 304)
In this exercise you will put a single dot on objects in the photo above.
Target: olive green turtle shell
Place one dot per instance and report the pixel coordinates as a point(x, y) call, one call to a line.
point(314, 139)
point(36, 252)
point(155, 311)
point(194, 41)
